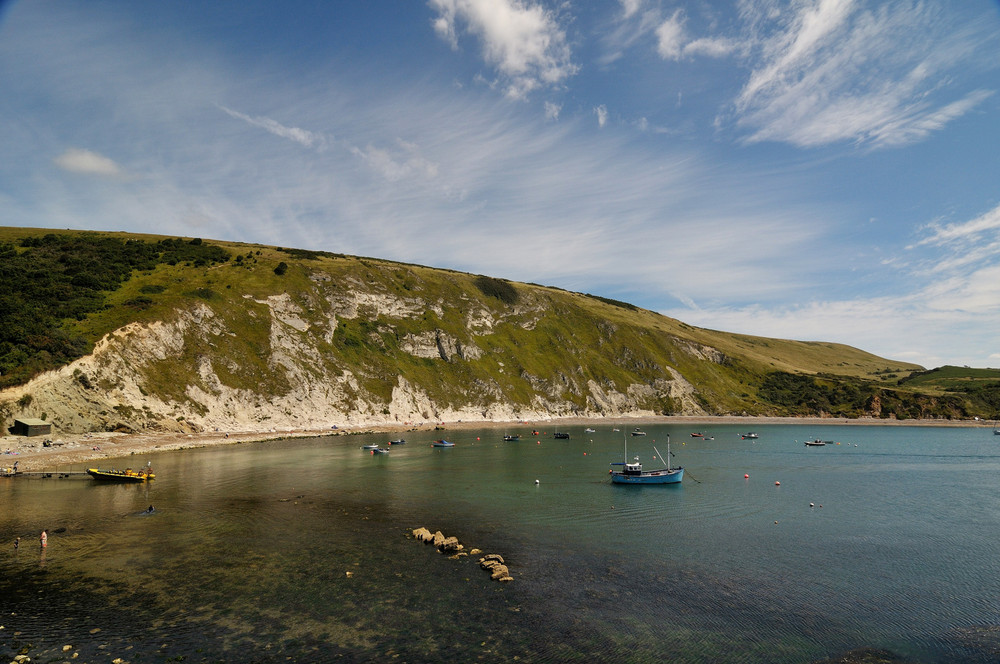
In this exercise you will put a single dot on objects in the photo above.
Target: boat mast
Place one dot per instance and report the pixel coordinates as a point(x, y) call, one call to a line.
point(667, 460)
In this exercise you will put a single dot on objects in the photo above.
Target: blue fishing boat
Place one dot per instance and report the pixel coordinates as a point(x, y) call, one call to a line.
point(442, 443)
point(632, 473)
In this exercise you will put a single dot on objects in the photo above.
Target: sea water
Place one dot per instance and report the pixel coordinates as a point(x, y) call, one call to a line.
point(301, 550)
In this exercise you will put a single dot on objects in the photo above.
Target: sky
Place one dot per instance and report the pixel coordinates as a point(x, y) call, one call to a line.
point(822, 170)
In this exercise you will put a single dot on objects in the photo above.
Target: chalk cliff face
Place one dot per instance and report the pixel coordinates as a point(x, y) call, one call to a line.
point(342, 350)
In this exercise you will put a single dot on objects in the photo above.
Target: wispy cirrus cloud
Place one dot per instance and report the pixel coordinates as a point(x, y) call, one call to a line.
point(303, 137)
point(840, 70)
point(961, 262)
point(966, 233)
point(394, 165)
point(825, 71)
point(522, 40)
point(953, 303)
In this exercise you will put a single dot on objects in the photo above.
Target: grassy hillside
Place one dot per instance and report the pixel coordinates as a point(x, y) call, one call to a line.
point(461, 339)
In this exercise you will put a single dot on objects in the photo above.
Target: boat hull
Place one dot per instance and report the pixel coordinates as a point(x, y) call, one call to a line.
point(119, 475)
point(672, 476)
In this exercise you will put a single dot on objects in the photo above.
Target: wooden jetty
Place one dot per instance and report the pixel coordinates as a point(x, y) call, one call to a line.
point(6, 472)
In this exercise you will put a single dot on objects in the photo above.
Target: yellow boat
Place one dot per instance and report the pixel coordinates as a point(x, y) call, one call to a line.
point(127, 475)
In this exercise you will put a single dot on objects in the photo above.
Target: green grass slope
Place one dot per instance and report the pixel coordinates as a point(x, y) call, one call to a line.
point(461, 339)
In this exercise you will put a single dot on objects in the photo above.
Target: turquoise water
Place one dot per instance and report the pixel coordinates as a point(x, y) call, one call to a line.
point(301, 551)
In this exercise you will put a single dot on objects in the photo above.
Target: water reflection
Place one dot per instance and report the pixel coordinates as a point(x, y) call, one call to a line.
point(299, 551)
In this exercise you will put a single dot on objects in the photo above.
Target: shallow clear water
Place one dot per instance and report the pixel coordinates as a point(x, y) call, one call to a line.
point(300, 551)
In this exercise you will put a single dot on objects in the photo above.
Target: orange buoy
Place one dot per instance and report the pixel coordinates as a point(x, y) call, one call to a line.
point(777, 484)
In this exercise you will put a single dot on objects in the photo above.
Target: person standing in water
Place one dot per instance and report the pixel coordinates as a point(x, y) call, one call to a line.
point(43, 539)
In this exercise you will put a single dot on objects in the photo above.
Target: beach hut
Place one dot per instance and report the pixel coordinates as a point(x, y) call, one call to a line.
point(31, 427)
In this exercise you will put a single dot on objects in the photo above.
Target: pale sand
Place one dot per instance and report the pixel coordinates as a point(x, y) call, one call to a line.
point(73, 452)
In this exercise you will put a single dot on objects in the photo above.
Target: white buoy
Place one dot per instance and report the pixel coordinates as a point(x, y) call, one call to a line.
point(536, 481)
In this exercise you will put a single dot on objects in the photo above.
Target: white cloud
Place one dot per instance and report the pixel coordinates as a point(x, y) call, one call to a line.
point(521, 39)
point(670, 37)
point(301, 136)
point(602, 115)
point(712, 47)
point(630, 7)
point(552, 110)
point(87, 162)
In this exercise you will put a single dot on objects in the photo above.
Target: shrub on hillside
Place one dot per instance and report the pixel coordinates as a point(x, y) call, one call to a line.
point(498, 288)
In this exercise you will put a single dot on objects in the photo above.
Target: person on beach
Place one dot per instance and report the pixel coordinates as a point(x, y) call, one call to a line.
point(43, 539)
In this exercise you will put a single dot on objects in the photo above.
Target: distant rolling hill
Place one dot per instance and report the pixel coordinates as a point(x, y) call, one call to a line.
point(137, 332)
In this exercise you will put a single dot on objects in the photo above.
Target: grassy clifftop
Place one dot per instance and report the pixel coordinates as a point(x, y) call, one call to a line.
point(254, 329)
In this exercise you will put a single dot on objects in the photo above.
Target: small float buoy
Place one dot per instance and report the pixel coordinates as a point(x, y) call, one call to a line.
point(775, 523)
point(745, 476)
point(477, 437)
point(777, 484)
point(811, 505)
point(536, 482)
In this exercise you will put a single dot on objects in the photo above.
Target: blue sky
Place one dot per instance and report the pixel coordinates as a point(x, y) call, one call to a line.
point(807, 169)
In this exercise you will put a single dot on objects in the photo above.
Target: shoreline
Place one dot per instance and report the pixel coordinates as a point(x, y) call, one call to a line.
point(33, 456)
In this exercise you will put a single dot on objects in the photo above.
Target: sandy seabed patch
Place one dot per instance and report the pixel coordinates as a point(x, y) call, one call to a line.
point(62, 451)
